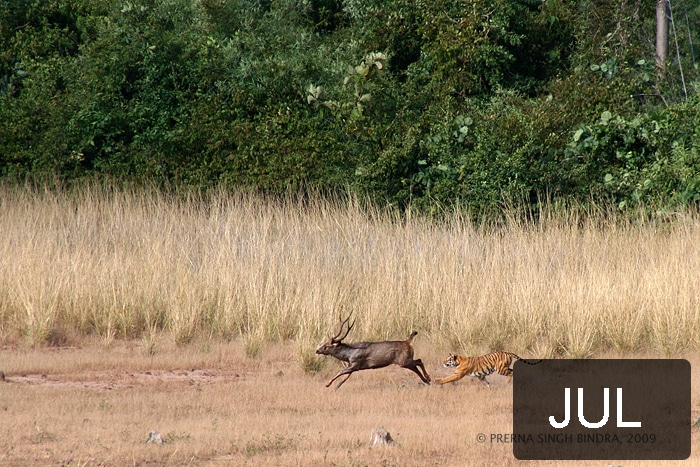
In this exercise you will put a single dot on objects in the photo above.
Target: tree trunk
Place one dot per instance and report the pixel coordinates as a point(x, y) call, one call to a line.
point(661, 33)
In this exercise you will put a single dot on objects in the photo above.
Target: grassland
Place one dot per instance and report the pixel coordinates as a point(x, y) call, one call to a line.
point(123, 311)
point(93, 405)
point(121, 264)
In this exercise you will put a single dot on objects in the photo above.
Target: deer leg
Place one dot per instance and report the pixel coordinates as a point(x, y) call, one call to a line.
point(349, 370)
point(342, 381)
point(420, 375)
point(413, 366)
point(419, 363)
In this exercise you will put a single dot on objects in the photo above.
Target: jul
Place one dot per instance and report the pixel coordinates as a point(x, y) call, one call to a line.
point(581, 418)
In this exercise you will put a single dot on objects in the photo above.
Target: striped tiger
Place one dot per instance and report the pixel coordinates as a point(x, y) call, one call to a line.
point(481, 367)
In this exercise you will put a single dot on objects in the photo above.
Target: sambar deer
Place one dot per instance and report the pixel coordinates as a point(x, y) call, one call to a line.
point(370, 355)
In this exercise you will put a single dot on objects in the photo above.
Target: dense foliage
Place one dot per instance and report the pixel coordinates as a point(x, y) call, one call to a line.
point(426, 102)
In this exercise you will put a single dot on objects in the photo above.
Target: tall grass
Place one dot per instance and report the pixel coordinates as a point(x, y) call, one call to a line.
point(124, 263)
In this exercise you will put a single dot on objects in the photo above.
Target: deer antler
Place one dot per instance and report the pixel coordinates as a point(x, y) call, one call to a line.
point(337, 339)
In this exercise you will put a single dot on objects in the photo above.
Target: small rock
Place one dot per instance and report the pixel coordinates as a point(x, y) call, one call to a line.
point(380, 437)
point(154, 437)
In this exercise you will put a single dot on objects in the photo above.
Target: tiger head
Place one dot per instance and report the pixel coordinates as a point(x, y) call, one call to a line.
point(451, 361)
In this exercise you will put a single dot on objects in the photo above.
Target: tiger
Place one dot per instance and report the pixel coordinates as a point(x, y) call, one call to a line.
point(481, 366)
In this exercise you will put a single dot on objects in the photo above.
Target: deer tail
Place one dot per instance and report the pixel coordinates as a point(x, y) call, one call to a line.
point(410, 338)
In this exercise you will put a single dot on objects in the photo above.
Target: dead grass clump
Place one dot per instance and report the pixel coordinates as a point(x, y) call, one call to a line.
point(253, 343)
point(306, 355)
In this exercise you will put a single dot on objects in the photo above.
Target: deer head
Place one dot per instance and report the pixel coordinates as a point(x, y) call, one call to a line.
point(333, 342)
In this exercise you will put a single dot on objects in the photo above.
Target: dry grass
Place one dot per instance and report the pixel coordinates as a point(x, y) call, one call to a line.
point(130, 264)
point(127, 311)
point(95, 405)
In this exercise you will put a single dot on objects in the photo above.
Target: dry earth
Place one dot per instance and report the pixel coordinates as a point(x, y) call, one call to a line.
point(95, 404)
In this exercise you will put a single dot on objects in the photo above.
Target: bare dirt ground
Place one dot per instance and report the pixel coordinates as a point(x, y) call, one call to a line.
point(110, 380)
point(96, 404)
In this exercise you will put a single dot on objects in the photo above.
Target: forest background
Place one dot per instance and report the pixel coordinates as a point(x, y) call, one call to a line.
point(427, 103)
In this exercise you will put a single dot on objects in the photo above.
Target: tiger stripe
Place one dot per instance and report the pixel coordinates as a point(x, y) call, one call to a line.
point(481, 367)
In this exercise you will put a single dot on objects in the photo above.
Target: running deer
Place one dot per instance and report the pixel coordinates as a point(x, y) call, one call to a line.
point(370, 355)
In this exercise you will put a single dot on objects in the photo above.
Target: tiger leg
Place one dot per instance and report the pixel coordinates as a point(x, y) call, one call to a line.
point(509, 375)
point(449, 379)
point(482, 378)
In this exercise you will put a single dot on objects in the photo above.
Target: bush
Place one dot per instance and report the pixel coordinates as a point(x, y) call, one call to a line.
point(421, 103)
point(652, 158)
